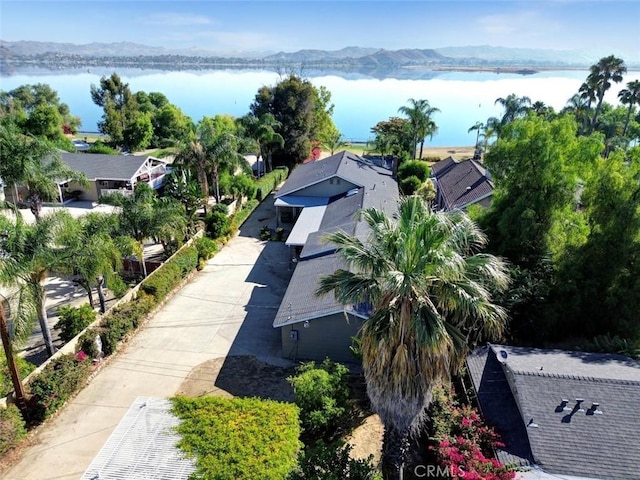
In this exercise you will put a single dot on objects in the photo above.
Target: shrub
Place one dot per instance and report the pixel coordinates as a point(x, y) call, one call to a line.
point(322, 394)
point(265, 233)
point(206, 248)
point(271, 180)
point(410, 185)
point(12, 428)
point(74, 319)
point(242, 215)
point(24, 369)
point(87, 342)
point(58, 382)
point(233, 438)
point(162, 281)
point(186, 259)
point(414, 168)
point(123, 320)
point(217, 225)
point(100, 147)
point(431, 159)
point(220, 208)
point(118, 286)
point(330, 462)
point(461, 442)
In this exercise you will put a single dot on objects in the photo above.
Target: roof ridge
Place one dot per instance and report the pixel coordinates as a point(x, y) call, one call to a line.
point(575, 377)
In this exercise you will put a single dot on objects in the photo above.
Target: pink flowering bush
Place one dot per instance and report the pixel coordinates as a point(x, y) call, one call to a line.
point(461, 442)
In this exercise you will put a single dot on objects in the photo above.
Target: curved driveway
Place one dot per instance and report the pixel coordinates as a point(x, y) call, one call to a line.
point(227, 308)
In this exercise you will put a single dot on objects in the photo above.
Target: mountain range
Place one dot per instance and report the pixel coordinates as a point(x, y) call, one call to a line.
point(353, 55)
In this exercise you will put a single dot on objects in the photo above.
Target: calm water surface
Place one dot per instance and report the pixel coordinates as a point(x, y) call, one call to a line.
point(360, 101)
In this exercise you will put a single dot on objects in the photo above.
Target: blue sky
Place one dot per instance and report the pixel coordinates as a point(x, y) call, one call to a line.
point(609, 26)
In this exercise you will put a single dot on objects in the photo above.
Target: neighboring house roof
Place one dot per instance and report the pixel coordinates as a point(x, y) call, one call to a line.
point(106, 167)
point(376, 188)
point(521, 391)
point(460, 184)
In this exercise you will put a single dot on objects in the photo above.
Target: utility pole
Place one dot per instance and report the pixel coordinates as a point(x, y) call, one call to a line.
point(21, 401)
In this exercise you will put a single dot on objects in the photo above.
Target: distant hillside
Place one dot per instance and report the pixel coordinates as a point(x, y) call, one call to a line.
point(404, 57)
point(320, 55)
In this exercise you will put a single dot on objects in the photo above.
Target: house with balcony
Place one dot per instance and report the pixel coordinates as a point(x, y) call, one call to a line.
point(318, 198)
point(105, 174)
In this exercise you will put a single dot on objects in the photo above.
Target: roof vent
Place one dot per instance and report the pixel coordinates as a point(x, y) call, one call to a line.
point(502, 356)
point(468, 188)
point(351, 192)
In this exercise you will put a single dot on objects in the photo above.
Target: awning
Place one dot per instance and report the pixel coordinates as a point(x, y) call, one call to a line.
point(308, 222)
point(300, 201)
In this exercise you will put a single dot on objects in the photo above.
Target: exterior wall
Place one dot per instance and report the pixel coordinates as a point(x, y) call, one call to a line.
point(325, 337)
point(89, 193)
point(327, 188)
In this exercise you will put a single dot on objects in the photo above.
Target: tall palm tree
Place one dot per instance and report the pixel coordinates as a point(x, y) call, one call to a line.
point(193, 155)
point(428, 289)
point(514, 107)
point(629, 96)
point(479, 128)
point(419, 113)
point(11, 363)
point(608, 69)
point(30, 254)
point(264, 131)
point(96, 256)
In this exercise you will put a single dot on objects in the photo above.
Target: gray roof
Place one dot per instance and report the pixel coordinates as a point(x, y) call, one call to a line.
point(377, 189)
point(300, 302)
point(571, 438)
point(460, 183)
point(98, 166)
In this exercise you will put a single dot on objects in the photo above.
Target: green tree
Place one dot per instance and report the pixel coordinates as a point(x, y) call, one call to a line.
point(302, 111)
point(33, 164)
point(419, 113)
point(31, 253)
point(263, 131)
point(536, 166)
point(170, 126)
point(514, 107)
point(143, 216)
point(334, 142)
point(428, 288)
point(393, 136)
point(183, 185)
point(629, 96)
point(608, 69)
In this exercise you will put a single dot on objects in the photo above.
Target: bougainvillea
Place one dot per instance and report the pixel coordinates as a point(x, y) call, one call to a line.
point(462, 443)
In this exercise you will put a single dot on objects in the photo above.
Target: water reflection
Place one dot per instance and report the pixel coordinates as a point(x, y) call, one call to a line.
point(361, 98)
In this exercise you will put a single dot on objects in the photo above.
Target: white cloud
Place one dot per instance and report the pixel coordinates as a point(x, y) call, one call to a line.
point(169, 19)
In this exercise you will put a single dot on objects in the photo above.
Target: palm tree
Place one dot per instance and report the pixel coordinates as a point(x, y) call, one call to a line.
point(193, 155)
point(11, 363)
point(263, 130)
point(629, 96)
point(428, 291)
point(579, 107)
point(334, 142)
point(30, 253)
point(608, 69)
point(143, 215)
point(514, 107)
point(34, 164)
point(96, 255)
point(419, 113)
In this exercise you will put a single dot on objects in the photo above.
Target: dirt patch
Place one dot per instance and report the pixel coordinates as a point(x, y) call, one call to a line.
point(366, 439)
point(238, 377)
point(459, 153)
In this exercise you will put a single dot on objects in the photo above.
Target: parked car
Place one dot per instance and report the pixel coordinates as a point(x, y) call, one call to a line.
point(80, 145)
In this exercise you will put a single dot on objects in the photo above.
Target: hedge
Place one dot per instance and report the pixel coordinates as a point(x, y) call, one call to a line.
point(271, 180)
point(415, 168)
point(232, 438)
point(169, 275)
point(58, 382)
point(12, 428)
point(73, 320)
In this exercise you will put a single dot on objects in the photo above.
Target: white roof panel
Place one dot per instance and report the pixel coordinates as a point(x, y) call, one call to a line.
point(308, 222)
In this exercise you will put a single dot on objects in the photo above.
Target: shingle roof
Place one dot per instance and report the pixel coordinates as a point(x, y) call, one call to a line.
point(98, 166)
point(460, 183)
point(300, 302)
point(378, 189)
point(571, 437)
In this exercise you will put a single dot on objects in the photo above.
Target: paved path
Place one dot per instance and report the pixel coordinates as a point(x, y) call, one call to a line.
point(227, 308)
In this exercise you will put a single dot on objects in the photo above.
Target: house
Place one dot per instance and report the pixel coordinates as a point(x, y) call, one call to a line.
point(460, 184)
point(319, 198)
point(105, 174)
point(561, 412)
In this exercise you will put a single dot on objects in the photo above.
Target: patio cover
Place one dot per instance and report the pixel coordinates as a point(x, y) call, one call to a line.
point(300, 201)
point(308, 222)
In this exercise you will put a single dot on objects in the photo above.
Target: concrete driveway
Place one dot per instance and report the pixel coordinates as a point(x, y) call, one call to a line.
point(227, 308)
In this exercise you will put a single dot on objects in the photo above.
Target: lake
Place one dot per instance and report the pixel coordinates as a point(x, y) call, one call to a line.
point(360, 100)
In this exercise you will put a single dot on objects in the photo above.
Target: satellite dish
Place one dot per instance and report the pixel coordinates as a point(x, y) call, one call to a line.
point(502, 356)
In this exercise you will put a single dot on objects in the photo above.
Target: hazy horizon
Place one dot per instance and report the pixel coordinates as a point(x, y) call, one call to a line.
point(262, 26)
